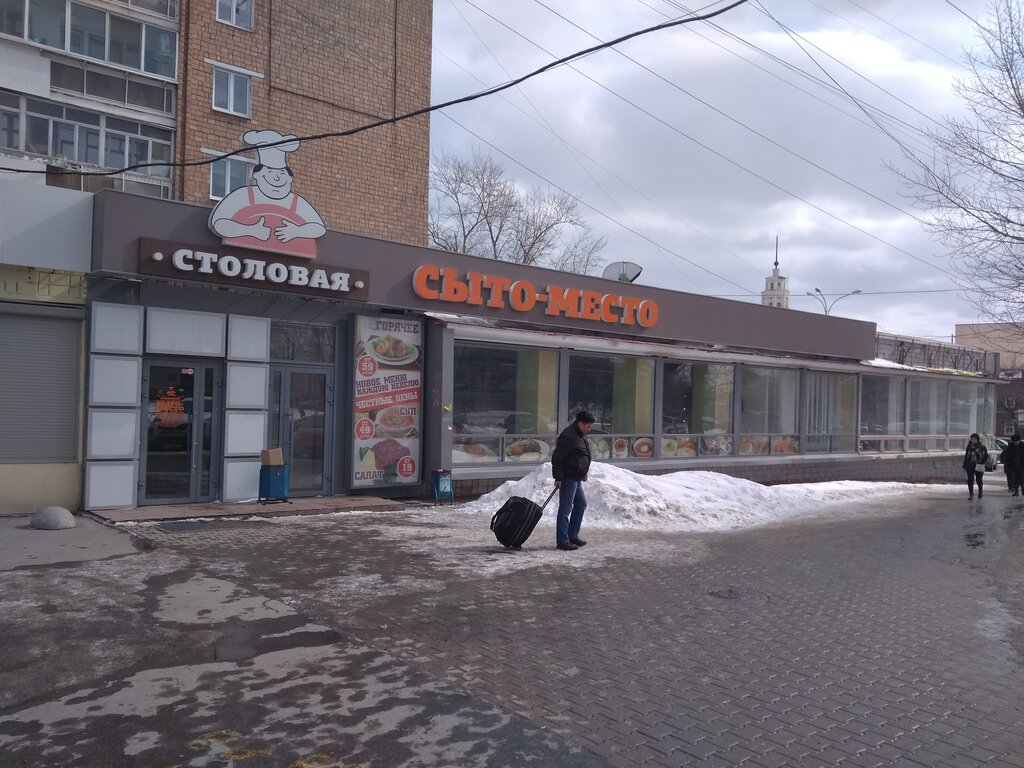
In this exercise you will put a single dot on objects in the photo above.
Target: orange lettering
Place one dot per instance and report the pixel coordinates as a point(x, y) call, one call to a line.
point(522, 295)
point(591, 303)
point(421, 279)
point(563, 301)
point(609, 302)
point(452, 288)
point(476, 282)
point(497, 286)
point(629, 307)
point(647, 313)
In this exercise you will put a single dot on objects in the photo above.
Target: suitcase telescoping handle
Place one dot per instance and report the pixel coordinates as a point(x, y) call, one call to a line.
point(550, 496)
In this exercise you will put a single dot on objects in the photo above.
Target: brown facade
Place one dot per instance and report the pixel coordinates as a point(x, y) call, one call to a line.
point(324, 67)
point(393, 269)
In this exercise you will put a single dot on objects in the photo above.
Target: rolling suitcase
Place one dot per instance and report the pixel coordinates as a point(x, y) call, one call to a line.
point(515, 521)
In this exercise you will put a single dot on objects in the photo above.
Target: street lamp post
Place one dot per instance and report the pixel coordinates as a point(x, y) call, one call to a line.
point(825, 303)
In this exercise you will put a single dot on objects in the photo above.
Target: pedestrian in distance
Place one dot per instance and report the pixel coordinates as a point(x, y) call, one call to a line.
point(974, 463)
point(1013, 464)
point(570, 464)
point(1004, 458)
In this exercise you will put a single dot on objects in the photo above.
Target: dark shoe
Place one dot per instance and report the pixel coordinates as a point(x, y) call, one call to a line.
point(1016, 494)
point(567, 546)
point(979, 494)
point(578, 542)
point(970, 497)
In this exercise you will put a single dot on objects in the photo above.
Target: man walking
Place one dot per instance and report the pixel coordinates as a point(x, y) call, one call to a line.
point(1013, 464)
point(570, 464)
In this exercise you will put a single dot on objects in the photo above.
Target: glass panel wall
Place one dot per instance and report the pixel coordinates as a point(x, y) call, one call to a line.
point(830, 408)
point(696, 409)
point(966, 410)
point(883, 407)
point(769, 408)
point(927, 414)
point(619, 392)
point(505, 403)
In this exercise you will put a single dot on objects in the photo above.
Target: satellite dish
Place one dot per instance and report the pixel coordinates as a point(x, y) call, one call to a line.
point(623, 271)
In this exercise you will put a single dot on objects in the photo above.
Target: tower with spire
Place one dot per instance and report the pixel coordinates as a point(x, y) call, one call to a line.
point(776, 292)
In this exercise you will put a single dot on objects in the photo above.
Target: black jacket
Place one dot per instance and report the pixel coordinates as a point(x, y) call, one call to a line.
point(571, 458)
point(975, 454)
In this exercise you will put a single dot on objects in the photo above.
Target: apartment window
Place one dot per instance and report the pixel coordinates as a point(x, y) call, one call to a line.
point(237, 13)
point(46, 19)
point(125, 43)
point(12, 17)
point(231, 91)
point(168, 8)
point(227, 175)
point(88, 31)
point(161, 51)
point(10, 129)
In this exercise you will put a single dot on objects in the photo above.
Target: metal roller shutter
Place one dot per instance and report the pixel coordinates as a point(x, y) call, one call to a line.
point(39, 389)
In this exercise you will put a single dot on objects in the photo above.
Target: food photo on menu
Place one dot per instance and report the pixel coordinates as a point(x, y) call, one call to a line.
point(389, 350)
point(385, 461)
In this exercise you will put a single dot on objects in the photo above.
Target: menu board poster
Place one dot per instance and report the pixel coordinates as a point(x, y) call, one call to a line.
point(387, 406)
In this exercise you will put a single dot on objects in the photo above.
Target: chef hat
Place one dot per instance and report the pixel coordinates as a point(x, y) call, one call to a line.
point(272, 157)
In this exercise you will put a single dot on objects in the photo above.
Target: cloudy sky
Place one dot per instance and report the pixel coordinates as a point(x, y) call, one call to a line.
point(693, 148)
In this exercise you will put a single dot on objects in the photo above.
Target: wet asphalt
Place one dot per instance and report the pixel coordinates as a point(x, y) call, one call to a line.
point(885, 632)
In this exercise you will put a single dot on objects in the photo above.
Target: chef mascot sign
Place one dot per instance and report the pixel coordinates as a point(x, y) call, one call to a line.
point(266, 214)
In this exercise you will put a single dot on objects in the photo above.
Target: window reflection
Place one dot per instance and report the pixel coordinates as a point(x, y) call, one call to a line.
point(505, 403)
point(302, 343)
point(696, 410)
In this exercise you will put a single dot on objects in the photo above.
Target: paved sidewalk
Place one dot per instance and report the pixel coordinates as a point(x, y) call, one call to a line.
point(889, 634)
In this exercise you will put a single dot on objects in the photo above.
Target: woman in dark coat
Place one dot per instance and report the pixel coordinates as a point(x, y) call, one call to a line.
point(974, 463)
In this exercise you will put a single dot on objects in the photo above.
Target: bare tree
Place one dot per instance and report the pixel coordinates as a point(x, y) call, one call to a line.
point(477, 210)
point(974, 183)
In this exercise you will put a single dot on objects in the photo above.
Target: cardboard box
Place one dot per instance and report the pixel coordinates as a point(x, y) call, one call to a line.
point(272, 457)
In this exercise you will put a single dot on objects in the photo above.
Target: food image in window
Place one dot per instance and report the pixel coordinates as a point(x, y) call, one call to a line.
point(786, 444)
point(668, 446)
point(686, 446)
point(390, 350)
point(526, 449)
point(643, 448)
point(754, 446)
point(715, 445)
point(620, 447)
point(465, 452)
point(600, 448)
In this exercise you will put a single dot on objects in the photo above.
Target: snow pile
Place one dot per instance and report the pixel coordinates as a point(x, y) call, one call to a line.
point(690, 500)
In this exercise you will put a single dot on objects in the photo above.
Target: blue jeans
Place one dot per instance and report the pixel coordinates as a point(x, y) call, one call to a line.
point(572, 503)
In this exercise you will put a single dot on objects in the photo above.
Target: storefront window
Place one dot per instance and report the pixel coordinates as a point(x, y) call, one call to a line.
point(619, 392)
point(883, 410)
point(505, 403)
point(927, 415)
point(302, 343)
point(966, 411)
point(830, 405)
point(768, 411)
point(696, 409)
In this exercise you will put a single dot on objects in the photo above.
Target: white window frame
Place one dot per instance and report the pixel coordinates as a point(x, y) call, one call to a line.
point(233, 20)
point(232, 73)
point(249, 162)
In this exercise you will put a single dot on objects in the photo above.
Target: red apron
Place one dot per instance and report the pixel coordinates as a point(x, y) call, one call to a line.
point(273, 216)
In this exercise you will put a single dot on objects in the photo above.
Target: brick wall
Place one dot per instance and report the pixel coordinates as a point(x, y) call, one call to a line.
point(327, 66)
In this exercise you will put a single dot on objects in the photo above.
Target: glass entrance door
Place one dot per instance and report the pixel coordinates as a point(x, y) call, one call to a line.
point(180, 432)
point(301, 401)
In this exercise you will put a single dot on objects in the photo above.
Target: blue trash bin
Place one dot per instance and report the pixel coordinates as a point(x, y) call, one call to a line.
point(274, 483)
point(441, 479)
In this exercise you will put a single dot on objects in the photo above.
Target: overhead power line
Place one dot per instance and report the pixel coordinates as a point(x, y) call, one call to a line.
point(409, 115)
